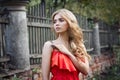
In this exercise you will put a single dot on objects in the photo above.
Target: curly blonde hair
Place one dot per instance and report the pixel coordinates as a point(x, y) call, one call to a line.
point(75, 33)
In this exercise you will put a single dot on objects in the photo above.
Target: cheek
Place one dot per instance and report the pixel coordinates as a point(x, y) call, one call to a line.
point(66, 26)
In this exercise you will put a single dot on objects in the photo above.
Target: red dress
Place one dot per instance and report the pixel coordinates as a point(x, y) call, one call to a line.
point(62, 67)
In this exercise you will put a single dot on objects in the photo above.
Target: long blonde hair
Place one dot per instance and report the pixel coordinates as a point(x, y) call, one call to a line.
point(75, 33)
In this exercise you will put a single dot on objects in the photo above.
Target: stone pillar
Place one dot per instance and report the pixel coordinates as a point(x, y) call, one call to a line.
point(96, 39)
point(17, 34)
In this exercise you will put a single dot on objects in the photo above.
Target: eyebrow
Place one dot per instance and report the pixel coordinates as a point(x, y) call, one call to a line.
point(59, 18)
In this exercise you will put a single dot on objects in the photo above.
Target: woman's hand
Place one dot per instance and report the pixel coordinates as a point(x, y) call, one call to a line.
point(83, 67)
point(62, 48)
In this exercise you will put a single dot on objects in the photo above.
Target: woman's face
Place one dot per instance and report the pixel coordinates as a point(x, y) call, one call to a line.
point(60, 24)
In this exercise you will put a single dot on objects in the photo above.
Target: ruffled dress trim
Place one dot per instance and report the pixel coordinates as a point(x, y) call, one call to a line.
point(62, 61)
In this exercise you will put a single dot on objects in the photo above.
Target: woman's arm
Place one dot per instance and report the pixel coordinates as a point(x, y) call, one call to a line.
point(46, 58)
point(81, 66)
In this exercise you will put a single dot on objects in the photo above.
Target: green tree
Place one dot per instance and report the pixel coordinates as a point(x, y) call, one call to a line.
point(107, 10)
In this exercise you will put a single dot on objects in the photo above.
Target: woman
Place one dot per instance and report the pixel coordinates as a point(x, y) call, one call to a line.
point(66, 56)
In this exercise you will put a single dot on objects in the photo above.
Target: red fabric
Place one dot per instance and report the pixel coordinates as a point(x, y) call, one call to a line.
point(62, 67)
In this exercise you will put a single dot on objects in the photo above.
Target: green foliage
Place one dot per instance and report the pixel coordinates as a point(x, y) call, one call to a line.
point(34, 2)
point(116, 50)
point(107, 10)
point(36, 70)
point(112, 73)
point(15, 78)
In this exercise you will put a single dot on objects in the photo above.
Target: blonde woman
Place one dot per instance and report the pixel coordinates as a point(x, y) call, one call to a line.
point(66, 56)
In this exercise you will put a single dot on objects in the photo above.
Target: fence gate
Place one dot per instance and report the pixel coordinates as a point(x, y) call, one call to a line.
point(3, 56)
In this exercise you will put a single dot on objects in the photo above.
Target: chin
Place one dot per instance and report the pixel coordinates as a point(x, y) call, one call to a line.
point(58, 32)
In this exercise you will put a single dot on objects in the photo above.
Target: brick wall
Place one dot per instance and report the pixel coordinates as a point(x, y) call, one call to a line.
point(98, 64)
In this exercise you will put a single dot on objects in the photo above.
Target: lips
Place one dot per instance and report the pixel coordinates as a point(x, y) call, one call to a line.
point(57, 28)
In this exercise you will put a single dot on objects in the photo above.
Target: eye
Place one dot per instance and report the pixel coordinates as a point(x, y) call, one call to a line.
point(61, 20)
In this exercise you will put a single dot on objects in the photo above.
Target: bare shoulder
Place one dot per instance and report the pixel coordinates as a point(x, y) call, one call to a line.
point(47, 45)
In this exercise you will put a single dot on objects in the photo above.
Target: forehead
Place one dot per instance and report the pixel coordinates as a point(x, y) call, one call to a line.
point(58, 16)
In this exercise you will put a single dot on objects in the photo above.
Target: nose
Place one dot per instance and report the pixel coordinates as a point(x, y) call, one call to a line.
point(57, 23)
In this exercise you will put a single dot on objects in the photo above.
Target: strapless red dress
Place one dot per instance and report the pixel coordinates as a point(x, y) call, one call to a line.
point(62, 67)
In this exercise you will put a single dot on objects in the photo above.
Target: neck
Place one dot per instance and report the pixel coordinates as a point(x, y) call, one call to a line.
point(63, 37)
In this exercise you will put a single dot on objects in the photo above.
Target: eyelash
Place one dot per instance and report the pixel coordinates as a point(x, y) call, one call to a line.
point(61, 20)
